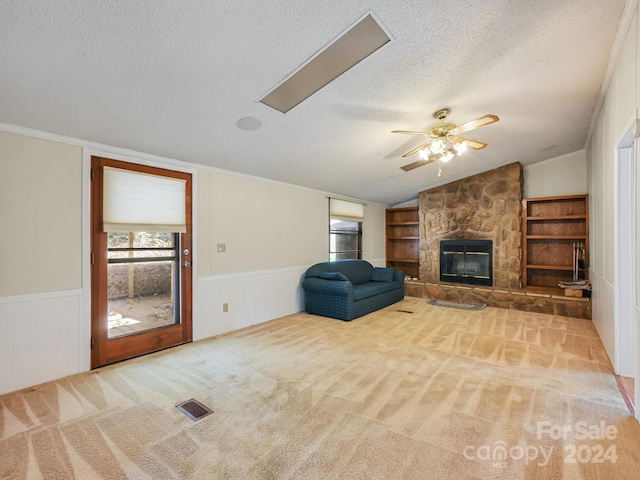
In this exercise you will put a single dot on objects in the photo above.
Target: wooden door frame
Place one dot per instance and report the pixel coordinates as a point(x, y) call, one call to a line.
point(104, 350)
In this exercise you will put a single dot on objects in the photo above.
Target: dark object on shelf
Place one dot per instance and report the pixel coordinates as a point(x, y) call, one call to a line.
point(577, 288)
point(579, 270)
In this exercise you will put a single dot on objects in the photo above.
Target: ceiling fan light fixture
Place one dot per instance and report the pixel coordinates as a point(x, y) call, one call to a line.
point(437, 146)
point(460, 148)
point(446, 156)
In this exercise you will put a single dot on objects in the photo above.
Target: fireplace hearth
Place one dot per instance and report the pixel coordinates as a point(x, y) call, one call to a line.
point(466, 261)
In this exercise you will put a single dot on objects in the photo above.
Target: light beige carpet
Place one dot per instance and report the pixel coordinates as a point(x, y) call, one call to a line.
point(413, 391)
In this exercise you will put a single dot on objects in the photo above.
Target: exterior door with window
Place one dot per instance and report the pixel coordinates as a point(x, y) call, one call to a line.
point(141, 258)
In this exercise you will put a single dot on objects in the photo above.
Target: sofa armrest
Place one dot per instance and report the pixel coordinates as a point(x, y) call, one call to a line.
point(398, 276)
point(340, 288)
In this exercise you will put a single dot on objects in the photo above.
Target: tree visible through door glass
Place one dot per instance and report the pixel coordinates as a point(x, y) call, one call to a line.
point(142, 281)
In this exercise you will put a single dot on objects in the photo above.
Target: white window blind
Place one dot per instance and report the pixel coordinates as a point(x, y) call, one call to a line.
point(141, 202)
point(344, 210)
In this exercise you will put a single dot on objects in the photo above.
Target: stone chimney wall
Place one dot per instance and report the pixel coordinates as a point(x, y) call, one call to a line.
point(484, 206)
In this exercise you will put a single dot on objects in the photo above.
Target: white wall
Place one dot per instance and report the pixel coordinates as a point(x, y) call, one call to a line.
point(615, 118)
point(40, 261)
point(564, 175)
point(272, 231)
point(41, 215)
point(374, 231)
point(410, 203)
point(264, 225)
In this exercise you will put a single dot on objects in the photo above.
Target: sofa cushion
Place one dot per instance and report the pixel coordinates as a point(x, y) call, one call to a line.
point(371, 289)
point(333, 276)
point(382, 274)
point(356, 271)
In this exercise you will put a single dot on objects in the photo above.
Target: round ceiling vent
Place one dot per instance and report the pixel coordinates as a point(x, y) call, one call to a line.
point(249, 123)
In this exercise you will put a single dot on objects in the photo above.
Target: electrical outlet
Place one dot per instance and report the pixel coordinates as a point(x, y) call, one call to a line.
point(222, 247)
point(225, 307)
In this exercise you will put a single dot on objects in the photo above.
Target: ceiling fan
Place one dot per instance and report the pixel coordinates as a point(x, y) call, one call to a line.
point(445, 139)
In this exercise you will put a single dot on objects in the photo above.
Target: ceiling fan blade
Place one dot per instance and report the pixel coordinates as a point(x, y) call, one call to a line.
point(473, 124)
point(418, 148)
point(413, 165)
point(419, 163)
point(475, 144)
point(407, 132)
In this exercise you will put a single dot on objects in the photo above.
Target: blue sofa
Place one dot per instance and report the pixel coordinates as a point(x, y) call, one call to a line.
point(348, 289)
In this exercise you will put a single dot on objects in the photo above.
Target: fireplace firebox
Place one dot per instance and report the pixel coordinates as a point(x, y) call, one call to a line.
point(466, 261)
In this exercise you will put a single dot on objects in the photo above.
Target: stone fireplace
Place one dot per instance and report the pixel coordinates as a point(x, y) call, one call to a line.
point(483, 208)
point(486, 206)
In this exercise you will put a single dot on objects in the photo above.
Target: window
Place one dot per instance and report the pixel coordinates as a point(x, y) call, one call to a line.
point(345, 240)
point(143, 271)
point(345, 229)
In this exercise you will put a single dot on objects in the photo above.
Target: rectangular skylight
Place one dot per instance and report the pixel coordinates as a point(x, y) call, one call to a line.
point(353, 46)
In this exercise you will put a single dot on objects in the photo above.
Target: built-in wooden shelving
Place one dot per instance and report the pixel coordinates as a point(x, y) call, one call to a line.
point(550, 227)
point(403, 240)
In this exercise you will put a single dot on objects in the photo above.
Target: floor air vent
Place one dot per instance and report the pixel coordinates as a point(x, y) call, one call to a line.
point(194, 409)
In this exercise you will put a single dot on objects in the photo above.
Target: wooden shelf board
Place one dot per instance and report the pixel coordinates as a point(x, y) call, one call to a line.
point(403, 238)
point(403, 260)
point(556, 217)
point(556, 237)
point(391, 224)
point(403, 209)
point(549, 267)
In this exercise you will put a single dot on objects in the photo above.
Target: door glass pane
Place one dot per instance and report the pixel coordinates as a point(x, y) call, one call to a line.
point(142, 283)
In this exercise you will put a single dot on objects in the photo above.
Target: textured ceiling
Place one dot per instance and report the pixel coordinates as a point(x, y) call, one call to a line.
point(172, 78)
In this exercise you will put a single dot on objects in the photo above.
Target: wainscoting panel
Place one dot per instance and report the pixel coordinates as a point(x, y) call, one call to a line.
point(40, 339)
point(637, 363)
point(603, 314)
point(252, 298)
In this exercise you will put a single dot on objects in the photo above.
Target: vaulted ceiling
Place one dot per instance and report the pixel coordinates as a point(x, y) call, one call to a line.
point(183, 79)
